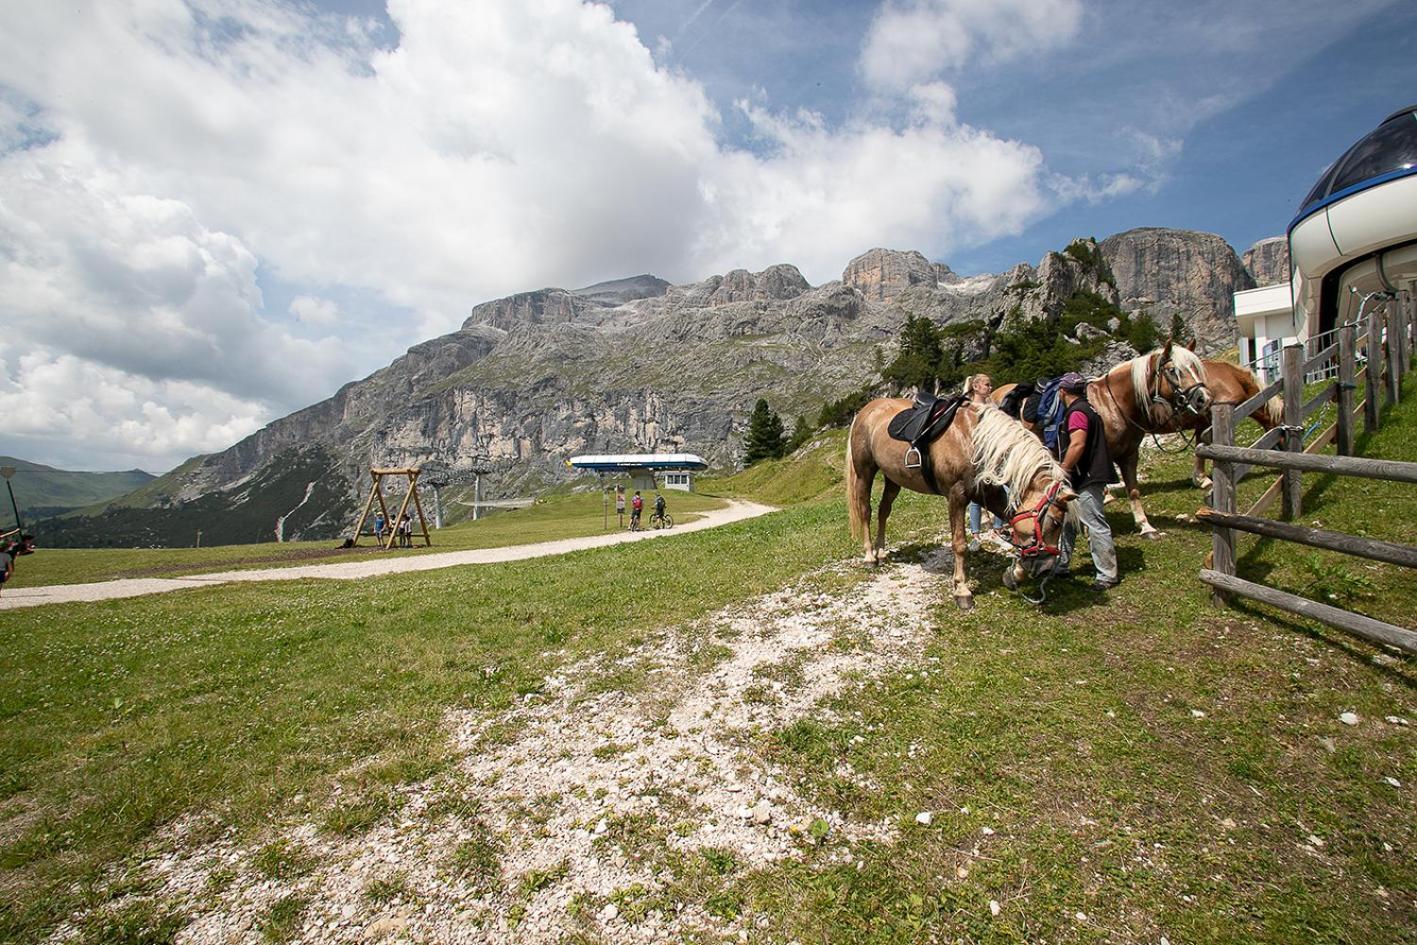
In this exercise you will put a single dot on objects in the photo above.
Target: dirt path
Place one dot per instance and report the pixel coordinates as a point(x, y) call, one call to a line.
point(576, 815)
point(371, 567)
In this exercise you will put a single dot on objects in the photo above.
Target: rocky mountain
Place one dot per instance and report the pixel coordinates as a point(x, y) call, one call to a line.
point(1267, 261)
point(629, 366)
point(1164, 272)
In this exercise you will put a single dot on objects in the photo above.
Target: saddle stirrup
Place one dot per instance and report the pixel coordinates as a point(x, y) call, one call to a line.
point(909, 464)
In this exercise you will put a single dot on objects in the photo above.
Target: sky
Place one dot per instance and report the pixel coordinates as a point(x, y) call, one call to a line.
point(216, 212)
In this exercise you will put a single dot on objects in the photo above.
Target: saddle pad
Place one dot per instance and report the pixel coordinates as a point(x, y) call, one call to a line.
point(924, 423)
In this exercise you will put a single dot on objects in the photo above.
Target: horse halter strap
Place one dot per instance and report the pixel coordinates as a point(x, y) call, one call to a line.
point(1035, 546)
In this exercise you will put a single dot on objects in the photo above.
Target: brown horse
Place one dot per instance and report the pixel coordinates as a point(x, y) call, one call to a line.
point(981, 455)
point(1231, 384)
point(1163, 391)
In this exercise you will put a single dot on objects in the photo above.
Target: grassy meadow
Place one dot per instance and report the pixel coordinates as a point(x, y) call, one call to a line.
point(1104, 769)
point(572, 515)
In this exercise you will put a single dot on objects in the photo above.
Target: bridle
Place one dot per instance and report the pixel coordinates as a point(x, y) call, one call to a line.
point(1036, 547)
point(1180, 399)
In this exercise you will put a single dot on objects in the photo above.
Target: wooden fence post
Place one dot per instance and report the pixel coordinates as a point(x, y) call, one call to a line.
point(1370, 375)
point(1390, 353)
point(1345, 390)
point(1222, 496)
point(1292, 366)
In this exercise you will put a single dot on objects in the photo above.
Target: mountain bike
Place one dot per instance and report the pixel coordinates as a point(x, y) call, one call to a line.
point(662, 521)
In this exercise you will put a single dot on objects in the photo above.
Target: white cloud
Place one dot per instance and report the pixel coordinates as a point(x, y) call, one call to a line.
point(157, 158)
point(78, 414)
point(825, 195)
point(314, 311)
point(912, 41)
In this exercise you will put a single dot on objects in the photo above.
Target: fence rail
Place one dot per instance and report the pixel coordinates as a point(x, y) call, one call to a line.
point(1384, 352)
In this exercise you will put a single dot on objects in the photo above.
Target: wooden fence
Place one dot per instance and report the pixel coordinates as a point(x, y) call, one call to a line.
point(1382, 343)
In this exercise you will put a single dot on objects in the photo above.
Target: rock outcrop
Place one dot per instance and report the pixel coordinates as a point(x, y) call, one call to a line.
point(1267, 261)
point(1162, 272)
point(882, 274)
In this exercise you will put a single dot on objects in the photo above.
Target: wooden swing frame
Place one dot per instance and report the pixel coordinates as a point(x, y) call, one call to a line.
point(376, 491)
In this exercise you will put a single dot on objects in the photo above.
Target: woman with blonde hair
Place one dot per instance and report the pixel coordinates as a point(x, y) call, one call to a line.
point(979, 388)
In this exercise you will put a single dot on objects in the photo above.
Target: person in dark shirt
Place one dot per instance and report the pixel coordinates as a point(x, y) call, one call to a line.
point(1082, 444)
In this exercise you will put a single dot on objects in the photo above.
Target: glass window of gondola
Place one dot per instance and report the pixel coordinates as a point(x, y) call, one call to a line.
point(1392, 147)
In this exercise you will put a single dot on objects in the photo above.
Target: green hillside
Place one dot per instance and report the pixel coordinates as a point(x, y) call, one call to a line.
point(44, 490)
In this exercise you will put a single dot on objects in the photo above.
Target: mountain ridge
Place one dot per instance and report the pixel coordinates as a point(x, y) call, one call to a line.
point(638, 364)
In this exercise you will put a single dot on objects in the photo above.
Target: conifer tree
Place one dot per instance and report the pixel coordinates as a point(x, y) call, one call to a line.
point(765, 436)
point(801, 433)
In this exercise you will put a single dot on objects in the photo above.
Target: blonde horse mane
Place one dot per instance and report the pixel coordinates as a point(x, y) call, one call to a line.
point(1006, 454)
point(1186, 361)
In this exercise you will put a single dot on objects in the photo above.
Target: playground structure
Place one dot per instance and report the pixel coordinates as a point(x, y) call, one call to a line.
point(376, 493)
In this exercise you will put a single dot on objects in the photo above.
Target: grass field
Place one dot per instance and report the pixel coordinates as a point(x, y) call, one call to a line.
point(561, 516)
point(1112, 769)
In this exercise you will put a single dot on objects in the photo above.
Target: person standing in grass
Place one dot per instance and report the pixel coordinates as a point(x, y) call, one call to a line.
point(1082, 444)
point(978, 388)
point(379, 528)
point(620, 504)
point(9, 551)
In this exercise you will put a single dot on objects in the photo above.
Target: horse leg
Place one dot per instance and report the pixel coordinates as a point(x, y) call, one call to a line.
point(959, 543)
point(860, 498)
point(1198, 477)
point(889, 490)
point(1128, 466)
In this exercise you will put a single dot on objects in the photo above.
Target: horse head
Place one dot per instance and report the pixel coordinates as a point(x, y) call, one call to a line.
point(1036, 525)
point(1008, 456)
point(1178, 380)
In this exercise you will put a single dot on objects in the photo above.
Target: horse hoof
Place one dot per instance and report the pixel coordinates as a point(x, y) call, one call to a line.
point(965, 603)
point(1010, 581)
point(1151, 534)
point(1202, 484)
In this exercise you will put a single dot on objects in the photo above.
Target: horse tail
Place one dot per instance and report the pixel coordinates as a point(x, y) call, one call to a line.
point(855, 515)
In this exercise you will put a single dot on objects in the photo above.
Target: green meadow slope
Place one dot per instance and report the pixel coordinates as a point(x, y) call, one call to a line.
point(43, 490)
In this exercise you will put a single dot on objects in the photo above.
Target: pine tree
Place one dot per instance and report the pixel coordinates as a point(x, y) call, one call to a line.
point(918, 362)
point(801, 433)
point(765, 436)
point(1178, 328)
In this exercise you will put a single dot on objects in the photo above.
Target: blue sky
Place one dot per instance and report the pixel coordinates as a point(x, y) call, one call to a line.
point(215, 212)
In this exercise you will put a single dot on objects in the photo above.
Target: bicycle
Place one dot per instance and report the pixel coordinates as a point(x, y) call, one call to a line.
point(635, 523)
point(662, 521)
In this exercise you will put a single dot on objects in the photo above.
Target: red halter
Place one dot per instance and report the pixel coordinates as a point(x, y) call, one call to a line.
point(1035, 546)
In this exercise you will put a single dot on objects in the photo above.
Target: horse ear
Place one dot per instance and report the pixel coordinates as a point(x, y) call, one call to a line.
point(1192, 345)
point(1166, 351)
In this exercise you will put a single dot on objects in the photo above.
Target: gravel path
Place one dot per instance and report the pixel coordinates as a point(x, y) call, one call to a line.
point(571, 815)
point(14, 598)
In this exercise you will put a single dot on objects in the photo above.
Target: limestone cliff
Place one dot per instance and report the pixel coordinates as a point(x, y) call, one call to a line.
point(1164, 272)
point(1267, 261)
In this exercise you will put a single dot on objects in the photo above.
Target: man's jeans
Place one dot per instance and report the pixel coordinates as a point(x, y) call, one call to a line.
point(1104, 552)
point(974, 516)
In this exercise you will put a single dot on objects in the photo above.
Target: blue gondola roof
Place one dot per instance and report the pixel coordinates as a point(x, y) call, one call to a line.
point(1386, 153)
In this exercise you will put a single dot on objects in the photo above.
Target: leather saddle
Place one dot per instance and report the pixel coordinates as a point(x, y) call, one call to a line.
point(921, 424)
